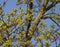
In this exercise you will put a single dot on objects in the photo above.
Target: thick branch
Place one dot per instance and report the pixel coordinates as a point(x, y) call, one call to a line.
point(35, 24)
point(29, 23)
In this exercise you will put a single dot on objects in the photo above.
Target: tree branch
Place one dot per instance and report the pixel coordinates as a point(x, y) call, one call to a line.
point(52, 5)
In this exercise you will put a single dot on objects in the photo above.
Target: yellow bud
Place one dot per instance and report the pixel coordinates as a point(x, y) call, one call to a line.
point(27, 42)
point(30, 33)
point(9, 24)
point(58, 0)
point(20, 24)
point(53, 25)
point(39, 45)
point(14, 9)
point(9, 14)
point(4, 27)
point(44, 24)
point(42, 36)
point(31, 0)
point(47, 43)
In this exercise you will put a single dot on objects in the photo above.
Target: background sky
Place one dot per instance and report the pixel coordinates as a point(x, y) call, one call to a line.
point(12, 4)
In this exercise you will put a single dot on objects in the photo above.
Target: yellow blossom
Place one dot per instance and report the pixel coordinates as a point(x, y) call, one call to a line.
point(42, 36)
point(44, 24)
point(39, 45)
point(9, 14)
point(47, 43)
point(58, 0)
point(27, 42)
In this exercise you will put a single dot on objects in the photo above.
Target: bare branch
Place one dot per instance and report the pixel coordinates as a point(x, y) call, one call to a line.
point(52, 5)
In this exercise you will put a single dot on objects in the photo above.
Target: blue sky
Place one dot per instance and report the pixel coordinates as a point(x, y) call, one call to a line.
point(12, 4)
